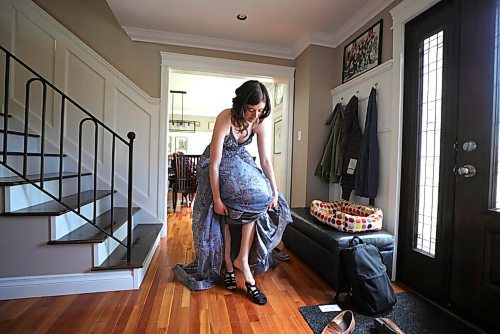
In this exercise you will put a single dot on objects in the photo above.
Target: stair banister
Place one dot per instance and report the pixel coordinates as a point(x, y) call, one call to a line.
point(113, 147)
point(65, 99)
point(26, 127)
point(131, 136)
point(60, 92)
point(61, 144)
point(96, 145)
point(6, 105)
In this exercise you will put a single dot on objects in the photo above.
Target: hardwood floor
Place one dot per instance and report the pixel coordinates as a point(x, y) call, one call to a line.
point(163, 305)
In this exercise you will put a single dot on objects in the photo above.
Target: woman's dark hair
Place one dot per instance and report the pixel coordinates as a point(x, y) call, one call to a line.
point(251, 92)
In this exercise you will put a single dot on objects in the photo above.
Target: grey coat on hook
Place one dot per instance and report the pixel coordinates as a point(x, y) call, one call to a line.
point(329, 168)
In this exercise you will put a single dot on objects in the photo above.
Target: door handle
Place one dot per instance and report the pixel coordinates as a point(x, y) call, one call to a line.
point(466, 171)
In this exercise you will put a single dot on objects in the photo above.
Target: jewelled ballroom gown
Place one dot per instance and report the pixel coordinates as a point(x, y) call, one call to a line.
point(247, 194)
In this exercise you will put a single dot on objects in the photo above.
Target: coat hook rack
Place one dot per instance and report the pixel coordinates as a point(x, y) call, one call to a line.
point(376, 84)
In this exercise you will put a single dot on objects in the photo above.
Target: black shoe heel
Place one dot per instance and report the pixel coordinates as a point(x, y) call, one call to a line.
point(230, 280)
point(255, 295)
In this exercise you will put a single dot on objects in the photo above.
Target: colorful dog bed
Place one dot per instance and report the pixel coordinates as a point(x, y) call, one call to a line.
point(347, 217)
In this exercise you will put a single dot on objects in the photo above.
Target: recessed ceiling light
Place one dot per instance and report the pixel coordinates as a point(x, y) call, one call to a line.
point(241, 17)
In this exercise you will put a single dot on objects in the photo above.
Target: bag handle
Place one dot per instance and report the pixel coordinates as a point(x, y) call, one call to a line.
point(357, 239)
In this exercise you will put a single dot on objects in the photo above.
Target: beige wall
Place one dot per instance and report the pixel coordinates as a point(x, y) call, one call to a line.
point(320, 106)
point(314, 77)
point(93, 22)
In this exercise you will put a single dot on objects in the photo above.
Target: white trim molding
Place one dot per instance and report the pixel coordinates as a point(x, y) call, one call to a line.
point(332, 40)
point(363, 77)
point(316, 38)
point(401, 14)
point(362, 17)
point(188, 62)
point(164, 37)
point(58, 285)
point(78, 283)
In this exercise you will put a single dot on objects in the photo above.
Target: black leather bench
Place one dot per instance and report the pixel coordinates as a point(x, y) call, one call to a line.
point(319, 245)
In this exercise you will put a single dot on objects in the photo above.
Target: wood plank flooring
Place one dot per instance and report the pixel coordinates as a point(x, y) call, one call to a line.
point(163, 305)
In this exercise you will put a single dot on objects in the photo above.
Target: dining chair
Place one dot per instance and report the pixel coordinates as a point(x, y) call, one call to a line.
point(185, 182)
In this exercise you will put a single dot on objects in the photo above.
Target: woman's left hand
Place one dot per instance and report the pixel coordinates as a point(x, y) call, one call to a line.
point(274, 202)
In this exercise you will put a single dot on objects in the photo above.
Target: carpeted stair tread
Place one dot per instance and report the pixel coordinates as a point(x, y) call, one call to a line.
point(88, 233)
point(144, 236)
point(54, 208)
point(17, 180)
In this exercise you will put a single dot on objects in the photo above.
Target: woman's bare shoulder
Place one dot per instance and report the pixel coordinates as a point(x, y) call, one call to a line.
point(223, 121)
point(258, 128)
point(224, 117)
point(224, 114)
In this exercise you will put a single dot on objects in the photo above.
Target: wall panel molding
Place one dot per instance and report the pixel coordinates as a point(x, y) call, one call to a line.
point(74, 67)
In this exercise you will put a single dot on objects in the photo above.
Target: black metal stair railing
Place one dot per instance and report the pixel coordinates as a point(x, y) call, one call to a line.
point(10, 60)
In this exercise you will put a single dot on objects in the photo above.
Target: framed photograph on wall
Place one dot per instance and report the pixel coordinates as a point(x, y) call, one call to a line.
point(278, 134)
point(181, 144)
point(364, 53)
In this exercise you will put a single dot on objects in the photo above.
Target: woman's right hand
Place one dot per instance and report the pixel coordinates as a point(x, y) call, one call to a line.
point(220, 208)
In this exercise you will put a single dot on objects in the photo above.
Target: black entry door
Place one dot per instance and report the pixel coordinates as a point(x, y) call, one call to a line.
point(449, 239)
point(429, 135)
point(475, 266)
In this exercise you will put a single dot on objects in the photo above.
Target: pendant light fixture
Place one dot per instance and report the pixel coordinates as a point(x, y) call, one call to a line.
point(180, 125)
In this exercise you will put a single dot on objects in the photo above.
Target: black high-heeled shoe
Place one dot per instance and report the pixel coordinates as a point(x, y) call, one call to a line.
point(230, 280)
point(255, 295)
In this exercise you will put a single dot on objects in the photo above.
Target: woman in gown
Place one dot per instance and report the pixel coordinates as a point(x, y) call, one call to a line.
point(238, 214)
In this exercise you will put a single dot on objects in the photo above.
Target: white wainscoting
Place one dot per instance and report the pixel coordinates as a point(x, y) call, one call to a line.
point(54, 52)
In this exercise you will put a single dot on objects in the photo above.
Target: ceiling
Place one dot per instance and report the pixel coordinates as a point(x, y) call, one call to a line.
point(277, 28)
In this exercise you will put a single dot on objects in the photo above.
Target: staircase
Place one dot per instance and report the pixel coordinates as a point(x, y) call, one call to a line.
point(61, 213)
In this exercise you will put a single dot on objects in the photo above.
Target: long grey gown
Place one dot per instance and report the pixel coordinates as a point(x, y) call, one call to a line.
point(247, 193)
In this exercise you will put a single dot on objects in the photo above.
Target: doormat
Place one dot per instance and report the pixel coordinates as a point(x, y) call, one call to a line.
point(411, 313)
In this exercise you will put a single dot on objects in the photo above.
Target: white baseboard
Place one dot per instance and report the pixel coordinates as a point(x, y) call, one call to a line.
point(69, 284)
point(58, 285)
point(140, 273)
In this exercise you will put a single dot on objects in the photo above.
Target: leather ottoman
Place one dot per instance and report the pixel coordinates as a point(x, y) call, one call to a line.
point(319, 246)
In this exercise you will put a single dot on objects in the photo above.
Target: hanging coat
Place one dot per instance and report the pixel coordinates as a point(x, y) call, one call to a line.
point(367, 173)
point(328, 168)
point(350, 138)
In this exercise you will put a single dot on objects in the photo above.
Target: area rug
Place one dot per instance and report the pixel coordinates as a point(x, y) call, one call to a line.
point(411, 313)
